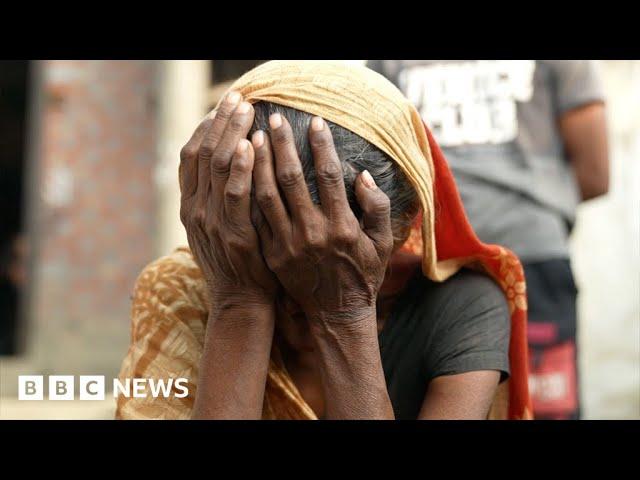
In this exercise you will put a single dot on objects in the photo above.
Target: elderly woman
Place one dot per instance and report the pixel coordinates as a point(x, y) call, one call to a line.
point(324, 277)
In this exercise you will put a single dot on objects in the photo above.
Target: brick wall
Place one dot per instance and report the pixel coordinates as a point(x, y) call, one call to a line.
point(96, 211)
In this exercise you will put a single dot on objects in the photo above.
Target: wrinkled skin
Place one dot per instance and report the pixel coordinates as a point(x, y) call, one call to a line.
point(216, 177)
point(330, 266)
point(322, 257)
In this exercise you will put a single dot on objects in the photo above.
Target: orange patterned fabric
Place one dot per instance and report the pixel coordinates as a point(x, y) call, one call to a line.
point(168, 322)
point(169, 307)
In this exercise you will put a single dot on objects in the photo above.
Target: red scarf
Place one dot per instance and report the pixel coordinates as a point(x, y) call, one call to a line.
point(455, 238)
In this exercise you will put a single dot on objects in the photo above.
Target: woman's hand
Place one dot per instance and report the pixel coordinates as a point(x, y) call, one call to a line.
point(215, 180)
point(330, 265)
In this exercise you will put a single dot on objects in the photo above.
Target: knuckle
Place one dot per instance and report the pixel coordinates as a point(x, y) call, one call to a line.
point(224, 113)
point(188, 152)
point(381, 205)
point(239, 244)
point(290, 177)
point(344, 235)
point(220, 164)
point(242, 164)
point(313, 240)
point(206, 150)
point(330, 173)
point(237, 122)
point(274, 262)
point(266, 198)
point(234, 193)
point(198, 216)
point(211, 230)
point(280, 258)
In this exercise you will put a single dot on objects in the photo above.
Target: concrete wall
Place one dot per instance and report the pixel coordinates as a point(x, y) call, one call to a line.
point(605, 250)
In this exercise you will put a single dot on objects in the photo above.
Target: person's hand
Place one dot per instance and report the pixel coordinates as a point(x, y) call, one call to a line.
point(325, 260)
point(215, 180)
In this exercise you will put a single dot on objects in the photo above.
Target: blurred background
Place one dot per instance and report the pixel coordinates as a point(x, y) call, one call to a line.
point(89, 195)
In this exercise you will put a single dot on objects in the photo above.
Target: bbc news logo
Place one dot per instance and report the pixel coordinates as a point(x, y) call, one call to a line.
point(92, 387)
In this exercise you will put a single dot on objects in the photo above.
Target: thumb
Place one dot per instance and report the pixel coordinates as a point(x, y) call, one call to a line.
point(376, 212)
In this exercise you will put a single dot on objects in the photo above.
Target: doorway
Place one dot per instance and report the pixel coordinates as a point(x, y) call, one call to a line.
point(14, 92)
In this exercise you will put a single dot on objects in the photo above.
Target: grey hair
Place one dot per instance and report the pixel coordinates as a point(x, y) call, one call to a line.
point(356, 154)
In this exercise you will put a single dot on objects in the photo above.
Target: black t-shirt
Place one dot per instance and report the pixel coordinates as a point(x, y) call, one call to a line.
point(435, 329)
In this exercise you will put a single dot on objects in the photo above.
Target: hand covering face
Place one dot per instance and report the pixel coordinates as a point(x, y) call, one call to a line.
point(442, 239)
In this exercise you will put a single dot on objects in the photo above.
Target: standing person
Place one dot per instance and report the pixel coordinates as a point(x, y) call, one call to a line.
point(526, 141)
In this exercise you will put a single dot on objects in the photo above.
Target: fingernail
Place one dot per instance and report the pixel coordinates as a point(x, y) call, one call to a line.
point(212, 114)
point(242, 146)
point(367, 179)
point(244, 107)
point(233, 98)
point(275, 120)
point(317, 124)
point(258, 139)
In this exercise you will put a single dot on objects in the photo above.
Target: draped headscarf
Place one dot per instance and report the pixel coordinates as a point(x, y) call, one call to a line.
point(441, 238)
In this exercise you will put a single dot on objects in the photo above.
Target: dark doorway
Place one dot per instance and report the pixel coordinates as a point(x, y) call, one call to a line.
point(14, 91)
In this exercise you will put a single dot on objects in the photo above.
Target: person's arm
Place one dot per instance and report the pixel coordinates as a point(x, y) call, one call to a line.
point(327, 263)
point(351, 371)
point(215, 179)
point(466, 396)
point(235, 359)
point(580, 110)
point(469, 349)
point(584, 132)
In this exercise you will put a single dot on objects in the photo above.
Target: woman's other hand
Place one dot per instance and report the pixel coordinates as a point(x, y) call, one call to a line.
point(215, 179)
point(325, 260)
